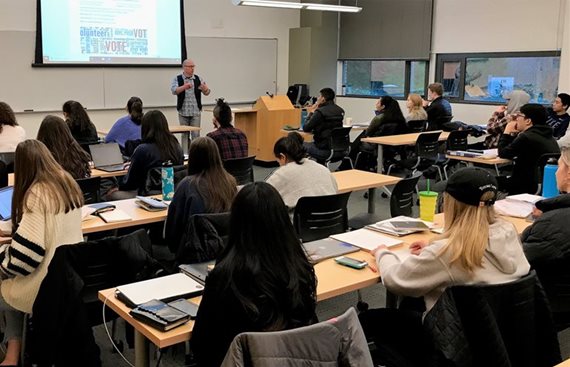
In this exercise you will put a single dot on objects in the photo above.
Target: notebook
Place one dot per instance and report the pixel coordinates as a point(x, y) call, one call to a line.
point(327, 248)
point(159, 315)
point(116, 215)
point(107, 157)
point(165, 289)
point(386, 226)
point(6, 202)
point(151, 204)
point(366, 239)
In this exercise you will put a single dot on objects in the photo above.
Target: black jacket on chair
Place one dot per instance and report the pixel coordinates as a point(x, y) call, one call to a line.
point(61, 333)
point(322, 121)
point(493, 325)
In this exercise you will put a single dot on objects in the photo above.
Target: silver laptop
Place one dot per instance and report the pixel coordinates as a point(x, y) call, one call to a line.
point(166, 289)
point(107, 157)
point(327, 248)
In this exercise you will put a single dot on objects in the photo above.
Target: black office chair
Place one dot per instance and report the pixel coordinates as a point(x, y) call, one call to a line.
point(241, 169)
point(547, 158)
point(426, 151)
point(153, 182)
point(318, 217)
point(417, 126)
point(555, 279)
point(340, 146)
point(90, 188)
point(3, 174)
point(8, 159)
point(438, 123)
point(402, 199)
point(457, 140)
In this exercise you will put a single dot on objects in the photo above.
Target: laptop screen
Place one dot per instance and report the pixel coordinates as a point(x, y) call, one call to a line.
point(6, 202)
point(106, 154)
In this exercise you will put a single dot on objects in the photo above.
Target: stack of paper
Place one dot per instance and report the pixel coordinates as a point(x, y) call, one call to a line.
point(366, 239)
point(116, 215)
point(519, 206)
point(385, 226)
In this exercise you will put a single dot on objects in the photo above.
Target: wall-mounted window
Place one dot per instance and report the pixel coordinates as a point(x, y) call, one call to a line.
point(376, 78)
point(487, 78)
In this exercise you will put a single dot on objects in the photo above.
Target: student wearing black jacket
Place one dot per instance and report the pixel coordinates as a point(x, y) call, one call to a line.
point(439, 109)
point(525, 139)
point(323, 117)
point(547, 239)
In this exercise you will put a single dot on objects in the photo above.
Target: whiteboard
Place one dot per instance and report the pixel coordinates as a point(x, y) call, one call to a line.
point(238, 69)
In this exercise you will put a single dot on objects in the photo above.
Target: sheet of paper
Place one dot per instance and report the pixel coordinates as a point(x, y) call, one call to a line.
point(366, 239)
point(528, 198)
point(513, 208)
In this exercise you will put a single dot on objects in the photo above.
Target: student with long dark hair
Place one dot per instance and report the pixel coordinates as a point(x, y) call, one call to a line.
point(298, 176)
point(158, 146)
point(127, 127)
point(11, 134)
point(231, 142)
point(46, 213)
point(263, 280)
point(82, 129)
point(207, 189)
point(56, 136)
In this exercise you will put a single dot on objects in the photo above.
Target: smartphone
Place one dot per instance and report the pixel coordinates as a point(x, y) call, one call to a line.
point(350, 262)
point(185, 306)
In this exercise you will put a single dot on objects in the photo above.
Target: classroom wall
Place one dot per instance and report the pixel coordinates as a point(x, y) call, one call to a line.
point(203, 18)
point(490, 26)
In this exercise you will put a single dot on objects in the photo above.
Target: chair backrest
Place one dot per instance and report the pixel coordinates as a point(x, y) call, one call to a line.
point(417, 126)
point(438, 123)
point(402, 199)
point(547, 158)
point(241, 169)
point(3, 174)
point(555, 278)
point(130, 146)
point(153, 182)
point(336, 342)
point(205, 238)
point(457, 140)
point(427, 145)
point(90, 188)
point(494, 325)
point(340, 139)
point(8, 159)
point(318, 217)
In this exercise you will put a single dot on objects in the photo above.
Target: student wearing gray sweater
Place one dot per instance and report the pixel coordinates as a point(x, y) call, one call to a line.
point(298, 176)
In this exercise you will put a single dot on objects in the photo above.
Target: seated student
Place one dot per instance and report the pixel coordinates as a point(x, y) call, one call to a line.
point(298, 176)
point(262, 281)
point(127, 127)
point(158, 146)
point(207, 189)
point(558, 117)
point(46, 213)
point(415, 108)
point(525, 140)
point(55, 134)
point(437, 107)
point(502, 116)
point(323, 117)
point(231, 142)
point(11, 134)
point(476, 247)
point(547, 239)
point(79, 123)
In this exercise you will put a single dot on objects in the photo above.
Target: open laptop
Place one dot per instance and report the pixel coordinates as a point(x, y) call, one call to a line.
point(107, 157)
point(327, 248)
point(6, 202)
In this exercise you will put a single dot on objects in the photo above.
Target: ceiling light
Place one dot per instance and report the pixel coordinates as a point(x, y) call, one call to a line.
point(290, 5)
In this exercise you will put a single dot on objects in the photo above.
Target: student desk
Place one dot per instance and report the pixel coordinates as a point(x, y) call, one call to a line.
point(353, 180)
point(565, 363)
point(308, 137)
point(333, 280)
point(175, 129)
point(492, 161)
point(396, 140)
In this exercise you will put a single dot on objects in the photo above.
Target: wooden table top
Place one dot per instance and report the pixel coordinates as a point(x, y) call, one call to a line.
point(490, 161)
point(402, 139)
point(565, 363)
point(353, 180)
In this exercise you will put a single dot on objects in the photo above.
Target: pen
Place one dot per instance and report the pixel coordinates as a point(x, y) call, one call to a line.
point(372, 267)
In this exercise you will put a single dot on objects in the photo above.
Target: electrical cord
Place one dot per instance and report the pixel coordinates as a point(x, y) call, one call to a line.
point(111, 339)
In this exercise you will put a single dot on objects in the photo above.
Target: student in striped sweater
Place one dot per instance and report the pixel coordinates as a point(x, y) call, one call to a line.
point(46, 213)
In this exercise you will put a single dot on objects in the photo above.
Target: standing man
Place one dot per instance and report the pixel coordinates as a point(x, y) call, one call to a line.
point(188, 89)
point(439, 109)
point(558, 118)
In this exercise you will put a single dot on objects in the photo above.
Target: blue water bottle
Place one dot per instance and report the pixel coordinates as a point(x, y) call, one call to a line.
point(549, 187)
point(167, 181)
point(304, 115)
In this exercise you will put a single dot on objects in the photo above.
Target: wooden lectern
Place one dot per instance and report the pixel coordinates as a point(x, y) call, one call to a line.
point(263, 123)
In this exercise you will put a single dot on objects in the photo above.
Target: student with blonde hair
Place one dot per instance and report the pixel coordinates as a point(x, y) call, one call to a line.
point(416, 111)
point(476, 247)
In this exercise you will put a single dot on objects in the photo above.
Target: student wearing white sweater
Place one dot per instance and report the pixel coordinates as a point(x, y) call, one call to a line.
point(298, 176)
point(11, 134)
point(46, 213)
point(476, 247)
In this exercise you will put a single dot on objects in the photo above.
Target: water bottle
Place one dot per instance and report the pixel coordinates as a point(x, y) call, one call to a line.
point(167, 181)
point(549, 187)
point(304, 115)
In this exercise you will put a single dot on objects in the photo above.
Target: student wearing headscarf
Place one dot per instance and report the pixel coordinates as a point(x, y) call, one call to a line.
point(503, 115)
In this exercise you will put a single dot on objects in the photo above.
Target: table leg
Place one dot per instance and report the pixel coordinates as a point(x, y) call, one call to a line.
point(380, 158)
point(497, 169)
point(141, 350)
point(371, 200)
point(188, 137)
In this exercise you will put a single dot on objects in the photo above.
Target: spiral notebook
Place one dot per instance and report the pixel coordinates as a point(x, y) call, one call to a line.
point(159, 315)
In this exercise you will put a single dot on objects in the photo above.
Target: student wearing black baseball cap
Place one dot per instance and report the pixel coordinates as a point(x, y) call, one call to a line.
point(525, 139)
point(476, 247)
